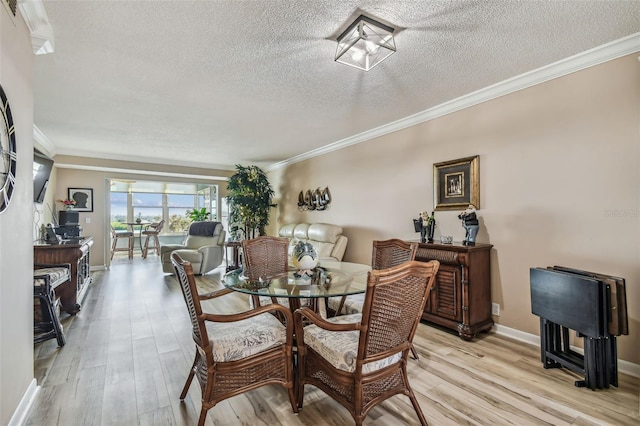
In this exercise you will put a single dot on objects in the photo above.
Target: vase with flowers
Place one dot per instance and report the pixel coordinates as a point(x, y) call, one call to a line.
point(67, 204)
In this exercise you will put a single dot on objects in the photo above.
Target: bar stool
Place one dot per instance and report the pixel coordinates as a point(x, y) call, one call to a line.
point(151, 232)
point(115, 235)
point(46, 321)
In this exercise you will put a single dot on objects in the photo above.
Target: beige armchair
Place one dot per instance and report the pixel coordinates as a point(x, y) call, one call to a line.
point(203, 248)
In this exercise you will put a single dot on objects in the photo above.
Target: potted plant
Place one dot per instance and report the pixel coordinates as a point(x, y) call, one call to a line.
point(198, 215)
point(249, 197)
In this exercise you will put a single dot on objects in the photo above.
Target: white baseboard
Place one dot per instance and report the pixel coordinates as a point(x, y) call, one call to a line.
point(624, 367)
point(20, 415)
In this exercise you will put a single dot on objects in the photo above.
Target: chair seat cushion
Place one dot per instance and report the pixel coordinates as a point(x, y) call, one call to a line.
point(340, 348)
point(241, 339)
point(192, 256)
point(352, 304)
point(56, 275)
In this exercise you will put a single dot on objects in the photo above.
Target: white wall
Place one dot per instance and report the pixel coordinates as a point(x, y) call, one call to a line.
point(16, 223)
point(559, 181)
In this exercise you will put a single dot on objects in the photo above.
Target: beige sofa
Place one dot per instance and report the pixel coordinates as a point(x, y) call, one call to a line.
point(326, 238)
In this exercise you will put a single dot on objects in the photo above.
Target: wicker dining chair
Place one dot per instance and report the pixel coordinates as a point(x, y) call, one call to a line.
point(151, 233)
point(386, 253)
point(380, 338)
point(265, 257)
point(235, 353)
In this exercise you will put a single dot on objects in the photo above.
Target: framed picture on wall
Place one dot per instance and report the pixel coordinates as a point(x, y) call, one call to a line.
point(456, 184)
point(83, 198)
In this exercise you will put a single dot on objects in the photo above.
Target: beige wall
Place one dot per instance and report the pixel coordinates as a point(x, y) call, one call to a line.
point(99, 223)
point(16, 248)
point(559, 181)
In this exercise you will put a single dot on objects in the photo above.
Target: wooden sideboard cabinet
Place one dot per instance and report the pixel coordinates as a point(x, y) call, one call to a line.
point(461, 295)
point(75, 252)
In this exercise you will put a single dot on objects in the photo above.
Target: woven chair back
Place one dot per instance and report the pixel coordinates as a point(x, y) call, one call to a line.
point(393, 252)
point(157, 227)
point(265, 257)
point(184, 273)
point(394, 302)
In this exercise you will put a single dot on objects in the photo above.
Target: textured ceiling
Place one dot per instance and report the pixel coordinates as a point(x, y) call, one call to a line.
point(218, 83)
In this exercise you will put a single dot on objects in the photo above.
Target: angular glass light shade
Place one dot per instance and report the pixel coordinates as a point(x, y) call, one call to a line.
point(365, 43)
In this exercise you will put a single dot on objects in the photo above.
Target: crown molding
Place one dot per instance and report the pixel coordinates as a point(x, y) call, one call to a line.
point(589, 58)
point(35, 16)
point(43, 142)
point(138, 159)
point(138, 172)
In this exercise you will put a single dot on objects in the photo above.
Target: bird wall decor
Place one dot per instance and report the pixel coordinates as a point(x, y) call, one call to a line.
point(318, 199)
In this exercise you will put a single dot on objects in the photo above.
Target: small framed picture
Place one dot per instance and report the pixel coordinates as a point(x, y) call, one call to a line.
point(456, 184)
point(83, 198)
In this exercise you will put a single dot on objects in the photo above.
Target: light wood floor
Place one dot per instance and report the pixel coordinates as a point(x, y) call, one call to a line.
point(129, 351)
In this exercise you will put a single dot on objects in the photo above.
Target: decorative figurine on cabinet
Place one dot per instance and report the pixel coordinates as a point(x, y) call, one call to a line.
point(470, 225)
point(425, 224)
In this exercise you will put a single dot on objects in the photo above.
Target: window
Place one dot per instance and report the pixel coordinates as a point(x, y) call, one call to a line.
point(119, 210)
point(147, 207)
point(155, 201)
point(179, 205)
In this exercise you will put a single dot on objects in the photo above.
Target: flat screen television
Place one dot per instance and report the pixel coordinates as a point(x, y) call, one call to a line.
point(42, 166)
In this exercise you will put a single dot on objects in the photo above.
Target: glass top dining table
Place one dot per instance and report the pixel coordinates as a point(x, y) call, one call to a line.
point(329, 279)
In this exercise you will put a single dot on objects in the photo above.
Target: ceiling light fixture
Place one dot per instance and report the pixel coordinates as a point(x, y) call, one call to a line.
point(365, 43)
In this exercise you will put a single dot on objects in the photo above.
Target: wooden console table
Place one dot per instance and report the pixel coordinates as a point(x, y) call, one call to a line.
point(461, 296)
point(75, 252)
